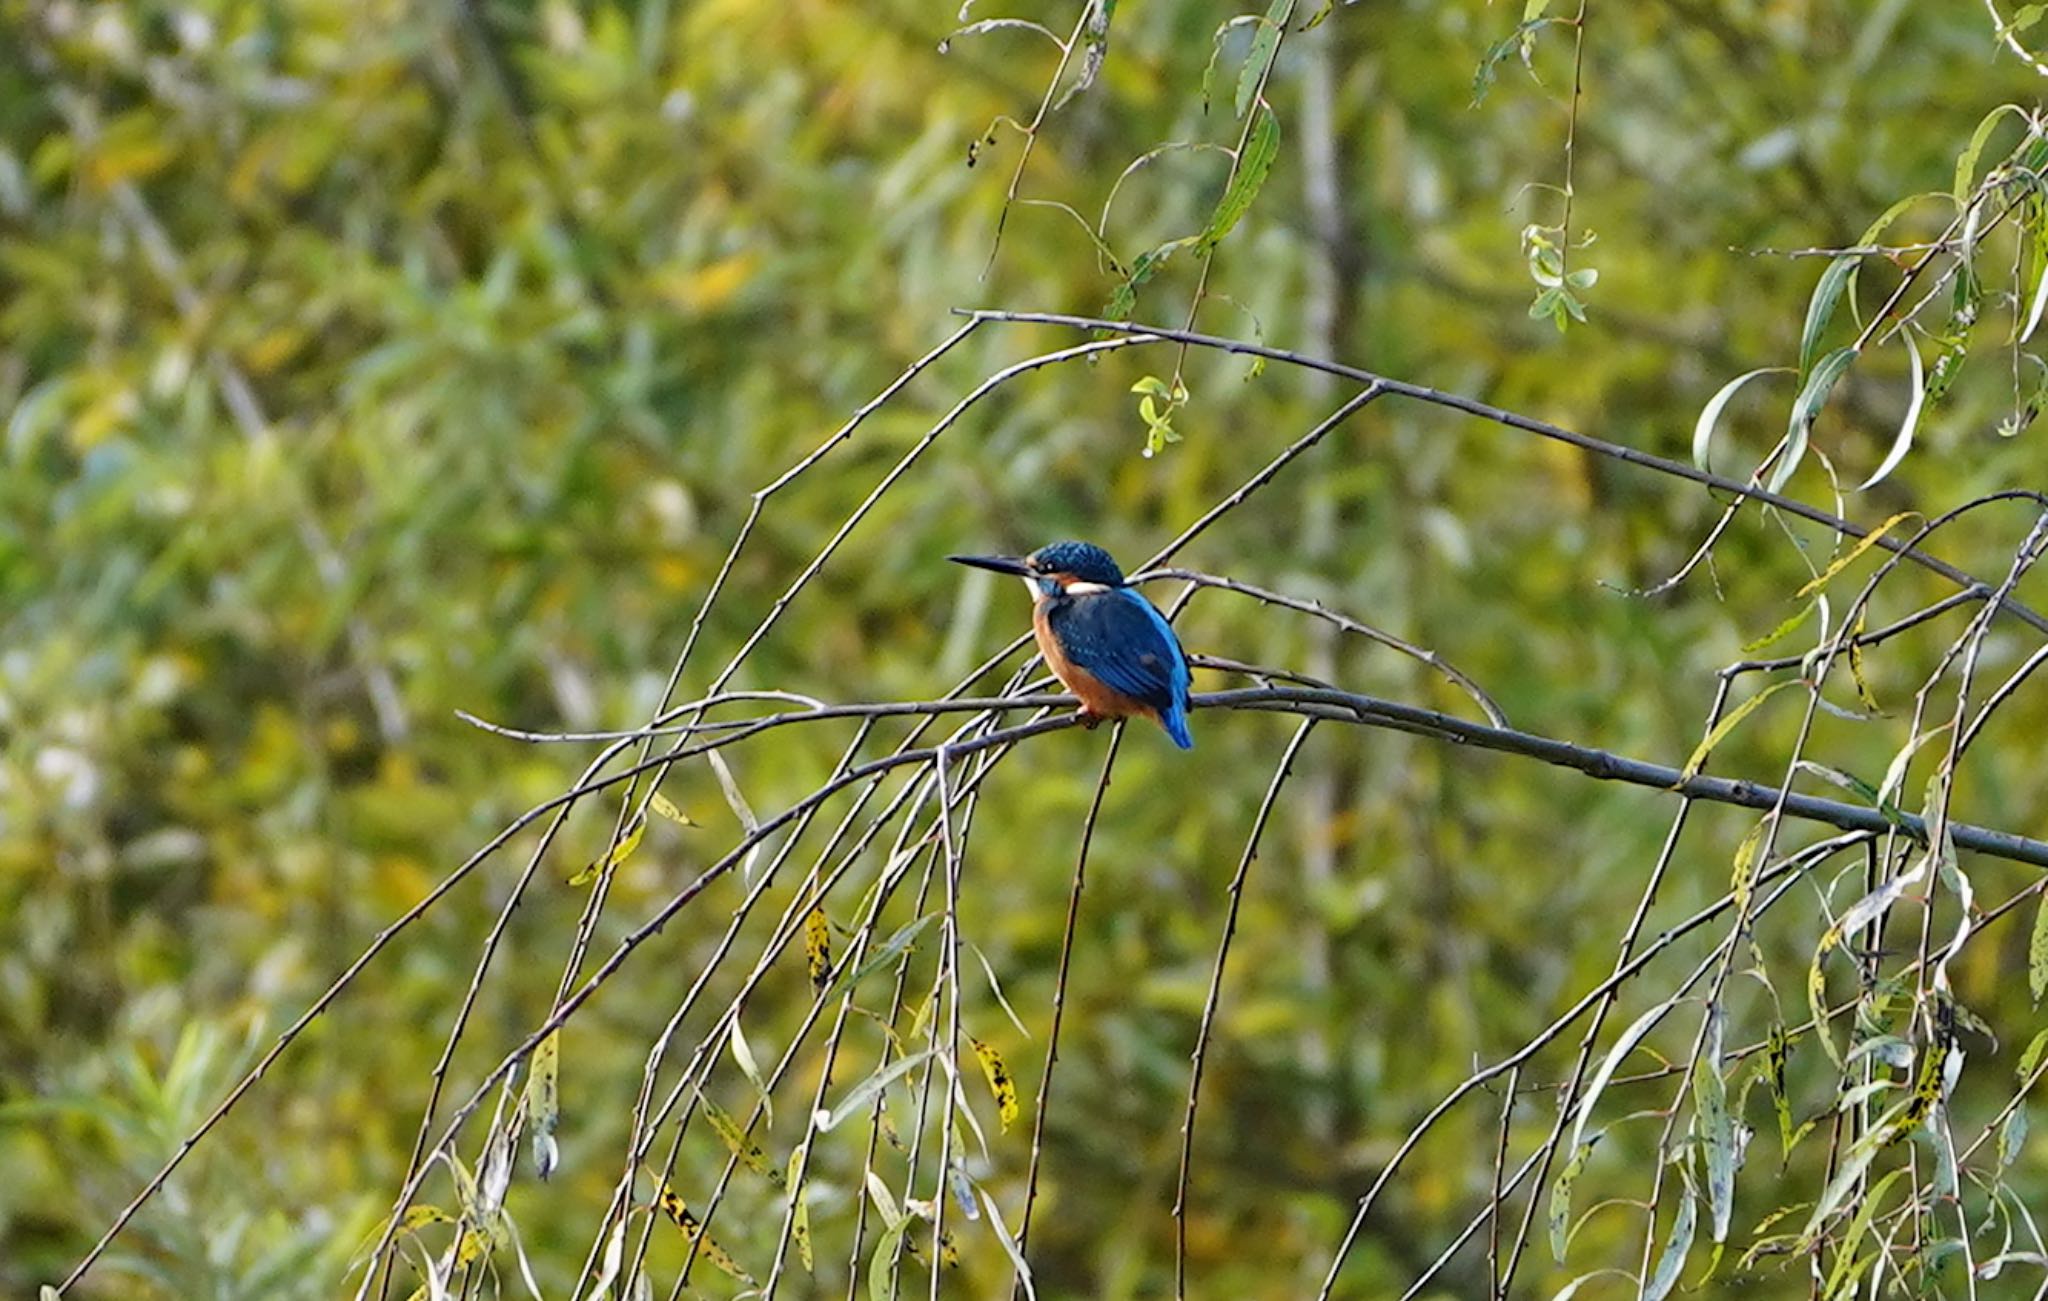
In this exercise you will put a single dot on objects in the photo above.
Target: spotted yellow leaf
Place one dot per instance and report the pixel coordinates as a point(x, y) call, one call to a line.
point(672, 1206)
point(999, 1081)
point(818, 947)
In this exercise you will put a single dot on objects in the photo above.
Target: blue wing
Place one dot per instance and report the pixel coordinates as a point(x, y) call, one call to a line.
point(1127, 645)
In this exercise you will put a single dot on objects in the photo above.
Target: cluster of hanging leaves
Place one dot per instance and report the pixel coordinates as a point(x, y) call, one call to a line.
point(1992, 224)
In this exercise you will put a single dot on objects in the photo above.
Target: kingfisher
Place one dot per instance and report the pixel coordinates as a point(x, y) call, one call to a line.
point(1102, 639)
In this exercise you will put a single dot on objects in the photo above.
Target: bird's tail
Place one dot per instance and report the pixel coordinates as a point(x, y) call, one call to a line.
point(1175, 721)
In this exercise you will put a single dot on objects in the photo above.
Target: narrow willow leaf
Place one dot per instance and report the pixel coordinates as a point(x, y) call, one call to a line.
point(818, 948)
point(1820, 309)
point(1827, 372)
point(1848, 781)
point(1253, 166)
point(1265, 44)
point(2034, 311)
point(666, 807)
point(892, 948)
point(1966, 162)
point(1315, 19)
point(1850, 557)
point(2012, 1137)
point(619, 854)
point(2037, 953)
point(999, 1082)
point(1216, 52)
point(1895, 771)
point(995, 25)
point(2031, 1058)
point(543, 1102)
point(1093, 53)
point(1777, 1053)
point(1791, 625)
point(693, 1231)
point(1672, 1262)
point(1561, 1197)
point(743, 1055)
point(962, 1189)
point(737, 1142)
point(1729, 722)
point(1715, 1127)
point(800, 1217)
point(1902, 442)
point(1124, 300)
point(882, 1265)
point(1623, 1046)
point(864, 1092)
point(885, 1202)
point(996, 987)
point(740, 809)
point(1010, 1247)
point(1743, 877)
point(1847, 1266)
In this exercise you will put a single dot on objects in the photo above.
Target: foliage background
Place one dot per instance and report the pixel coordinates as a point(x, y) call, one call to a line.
point(528, 298)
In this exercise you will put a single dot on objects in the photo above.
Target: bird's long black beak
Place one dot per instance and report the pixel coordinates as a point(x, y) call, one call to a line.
point(1000, 564)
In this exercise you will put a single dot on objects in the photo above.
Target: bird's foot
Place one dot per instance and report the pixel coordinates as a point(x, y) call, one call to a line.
point(1089, 719)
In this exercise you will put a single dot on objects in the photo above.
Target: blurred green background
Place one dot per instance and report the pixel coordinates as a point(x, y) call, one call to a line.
point(363, 361)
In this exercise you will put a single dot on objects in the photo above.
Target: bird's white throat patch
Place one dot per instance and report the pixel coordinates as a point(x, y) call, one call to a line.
point(1086, 589)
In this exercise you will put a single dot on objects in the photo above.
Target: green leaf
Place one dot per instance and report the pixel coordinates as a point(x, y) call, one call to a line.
point(1710, 414)
point(1820, 309)
point(1966, 162)
point(1715, 1127)
point(1729, 722)
point(1672, 1262)
point(1124, 300)
point(858, 1097)
point(1561, 1197)
point(1216, 51)
point(882, 1265)
point(1265, 44)
point(1623, 1046)
point(2031, 1058)
point(1253, 166)
point(892, 948)
point(2012, 1137)
point(1826, 373)
point(2037, 953)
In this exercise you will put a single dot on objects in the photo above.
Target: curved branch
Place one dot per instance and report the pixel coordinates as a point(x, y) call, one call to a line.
point(1510, 420)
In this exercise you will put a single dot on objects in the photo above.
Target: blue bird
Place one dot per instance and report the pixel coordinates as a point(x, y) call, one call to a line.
point(1103, 640)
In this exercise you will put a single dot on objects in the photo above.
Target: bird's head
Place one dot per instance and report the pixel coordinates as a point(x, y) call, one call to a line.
point(1071, 568)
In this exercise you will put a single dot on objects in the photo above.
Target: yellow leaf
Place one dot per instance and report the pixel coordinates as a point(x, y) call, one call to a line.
point(1728, 724)
point(999, 1081)
point(800, 1222)
point(818, 947)
point(666, 808)
point(673, 1207)
point(704, 288)
point(620, 853)
point(736, 1139)
point(1849, 557)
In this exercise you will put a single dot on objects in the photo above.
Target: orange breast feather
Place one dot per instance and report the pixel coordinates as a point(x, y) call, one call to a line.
point(1095, 697)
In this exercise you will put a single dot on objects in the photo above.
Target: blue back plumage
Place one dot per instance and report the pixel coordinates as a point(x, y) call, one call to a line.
point(1119, 638)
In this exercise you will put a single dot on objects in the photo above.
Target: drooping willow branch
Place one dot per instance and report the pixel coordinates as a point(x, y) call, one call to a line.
point(1514, 420)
